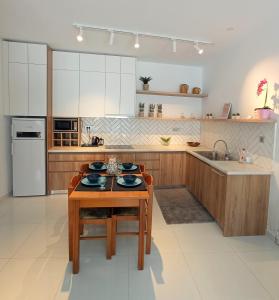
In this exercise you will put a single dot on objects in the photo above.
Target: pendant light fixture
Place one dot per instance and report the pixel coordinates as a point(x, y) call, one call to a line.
point(198, 48)
point(111, 37)
point(173, 45)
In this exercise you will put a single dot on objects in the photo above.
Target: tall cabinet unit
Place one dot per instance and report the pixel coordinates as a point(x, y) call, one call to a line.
point(65, 95)
point(25, 79)
point(120, 86)
point(92, 85)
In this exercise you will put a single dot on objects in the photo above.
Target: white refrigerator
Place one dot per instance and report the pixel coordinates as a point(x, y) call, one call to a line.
point(29, 156)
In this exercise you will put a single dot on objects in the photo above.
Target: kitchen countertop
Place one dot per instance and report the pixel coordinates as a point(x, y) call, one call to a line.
point(226, 167)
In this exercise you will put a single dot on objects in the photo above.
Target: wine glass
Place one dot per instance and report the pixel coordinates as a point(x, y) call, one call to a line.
point(102, 181)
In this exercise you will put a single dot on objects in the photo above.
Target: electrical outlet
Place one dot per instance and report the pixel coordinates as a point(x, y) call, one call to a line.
point(261, 139)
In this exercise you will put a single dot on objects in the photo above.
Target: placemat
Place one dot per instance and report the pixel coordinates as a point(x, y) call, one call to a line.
point(90, 171)
point(84, 188)
point(136, 171)
point(118, 188)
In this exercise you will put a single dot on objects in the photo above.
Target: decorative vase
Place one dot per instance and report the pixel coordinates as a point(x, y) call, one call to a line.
point(263, 113)
point(184, 88)
point(145, 86)
point(196, 91)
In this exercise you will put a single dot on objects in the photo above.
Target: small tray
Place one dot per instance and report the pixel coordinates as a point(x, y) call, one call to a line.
point(91, 167)
point(121, 182)
point(133, 168)
point(86, 182)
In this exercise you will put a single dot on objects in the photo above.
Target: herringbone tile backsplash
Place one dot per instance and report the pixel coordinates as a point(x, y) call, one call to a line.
point(116, 131)
point(241, 135)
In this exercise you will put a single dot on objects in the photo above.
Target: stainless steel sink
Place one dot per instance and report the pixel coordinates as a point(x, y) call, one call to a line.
point(118, 147)
point(214, 155)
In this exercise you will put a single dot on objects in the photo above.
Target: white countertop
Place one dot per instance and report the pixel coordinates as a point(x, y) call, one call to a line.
point(227, 167)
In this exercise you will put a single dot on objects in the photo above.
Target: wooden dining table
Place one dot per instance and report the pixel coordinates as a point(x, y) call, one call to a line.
point(108, 199)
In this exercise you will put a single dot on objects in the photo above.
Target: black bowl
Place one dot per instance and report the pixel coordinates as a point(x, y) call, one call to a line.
point(129, 179)
point(127, 166)
point(97, 164)
point(93, 178)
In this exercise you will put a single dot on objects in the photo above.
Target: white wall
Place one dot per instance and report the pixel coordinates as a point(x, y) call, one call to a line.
point(5, 158)
point(233, 77)
point(167, 77)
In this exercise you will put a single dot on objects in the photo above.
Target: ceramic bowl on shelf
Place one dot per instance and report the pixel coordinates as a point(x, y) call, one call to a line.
point(193, 144)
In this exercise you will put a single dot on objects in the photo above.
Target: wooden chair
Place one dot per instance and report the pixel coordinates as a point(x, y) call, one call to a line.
point(83, 169)
point(90, 216)
point(132, 214)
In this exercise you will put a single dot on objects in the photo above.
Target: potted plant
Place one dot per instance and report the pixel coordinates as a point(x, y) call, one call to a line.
point(165, 140)
point(145, 81)
point(265, 111)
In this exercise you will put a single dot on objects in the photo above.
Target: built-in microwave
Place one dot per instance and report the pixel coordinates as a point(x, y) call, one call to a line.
point(65, 124)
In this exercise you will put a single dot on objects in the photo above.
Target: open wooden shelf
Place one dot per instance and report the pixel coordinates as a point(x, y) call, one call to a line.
point(238, 120)
point(209, 120)
point(172, 94)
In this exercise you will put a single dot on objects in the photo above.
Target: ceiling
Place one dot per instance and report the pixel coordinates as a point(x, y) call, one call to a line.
point(50, 21)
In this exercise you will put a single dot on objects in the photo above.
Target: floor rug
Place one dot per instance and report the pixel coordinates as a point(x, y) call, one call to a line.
point(178, 206)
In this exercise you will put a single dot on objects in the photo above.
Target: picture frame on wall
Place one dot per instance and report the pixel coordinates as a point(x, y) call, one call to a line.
point(226, 111)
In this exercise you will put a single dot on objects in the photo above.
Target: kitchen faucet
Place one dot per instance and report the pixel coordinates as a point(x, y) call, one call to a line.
point(227, 152)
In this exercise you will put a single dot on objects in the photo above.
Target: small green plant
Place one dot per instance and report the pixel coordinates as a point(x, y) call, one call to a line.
point(165, 140)
point(145, 80)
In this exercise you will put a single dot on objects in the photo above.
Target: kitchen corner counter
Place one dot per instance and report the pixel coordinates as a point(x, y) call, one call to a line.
point(226, 167)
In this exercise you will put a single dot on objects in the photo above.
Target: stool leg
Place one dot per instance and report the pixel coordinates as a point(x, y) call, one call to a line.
point(109, 238)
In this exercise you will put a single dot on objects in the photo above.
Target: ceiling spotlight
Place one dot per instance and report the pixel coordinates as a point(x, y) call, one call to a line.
point(137, 45)
point(198, 48)
point(111, 37)
point(80, 35)
point(173, 46)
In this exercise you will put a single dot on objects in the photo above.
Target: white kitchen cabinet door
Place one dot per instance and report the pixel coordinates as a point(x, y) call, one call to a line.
point(112, 100)
point(37, 54)
point(65, 61)
point(18, 52)
point(128, 65)
point(113, 64)
point(65, 93)
point(37, 90)
point(18, 89)
point(128, 92)
point(92, 62)
point(92, 94)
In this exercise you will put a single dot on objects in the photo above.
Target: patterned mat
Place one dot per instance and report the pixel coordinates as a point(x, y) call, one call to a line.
point(178, 206)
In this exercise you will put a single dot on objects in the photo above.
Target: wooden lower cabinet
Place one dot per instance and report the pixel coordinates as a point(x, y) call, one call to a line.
point(172, 169)
point(239, 203)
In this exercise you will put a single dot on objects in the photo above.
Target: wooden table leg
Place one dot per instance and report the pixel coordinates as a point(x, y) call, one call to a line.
point(149, 225)
point(70, 229)
point(141, 234)
point(75, 237)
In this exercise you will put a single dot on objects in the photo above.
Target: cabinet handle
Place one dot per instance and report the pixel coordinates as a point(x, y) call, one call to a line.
point(216, 172)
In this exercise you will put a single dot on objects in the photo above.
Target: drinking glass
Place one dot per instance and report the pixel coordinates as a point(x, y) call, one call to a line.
point(102, 181)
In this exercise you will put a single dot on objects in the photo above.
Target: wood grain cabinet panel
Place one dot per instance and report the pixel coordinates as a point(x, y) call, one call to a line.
point(76, 157)
point(122, 157)
point(172, 168)
point(239, 204)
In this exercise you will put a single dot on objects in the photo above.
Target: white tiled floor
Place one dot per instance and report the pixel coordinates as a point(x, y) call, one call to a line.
point(188, 262)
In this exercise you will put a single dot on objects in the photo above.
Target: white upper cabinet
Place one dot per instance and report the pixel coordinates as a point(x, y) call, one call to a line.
point(113, 64)
point(25, 79)
point(37, 54)
point(92, 94)
point(112, 101)
point(37, 90)
point(65, 61)
point(127, 99)
point(18, 89)
point(18, 52)
point(128, 65)
point(92, 62)
point(65, 94)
